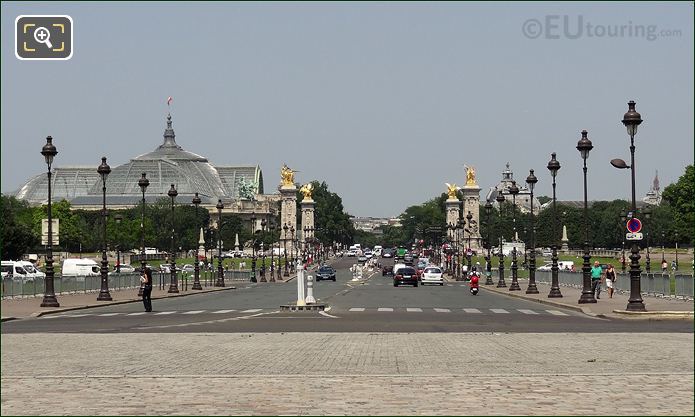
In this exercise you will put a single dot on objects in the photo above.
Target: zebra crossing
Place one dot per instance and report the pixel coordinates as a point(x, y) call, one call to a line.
point(459, 310)
point(154, 313)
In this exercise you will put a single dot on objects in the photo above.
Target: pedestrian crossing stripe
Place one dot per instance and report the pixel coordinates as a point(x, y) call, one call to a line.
point(385, 309)
point(255, 310)
point(194, 312)
point(499, 311)
point(162, 313)
point(135, 314)
point(413, 309)
point(527, 311)
point(442, 310)
point(108, 314)
point(471, 310)
point(357, 309)
point(222, 311)
point(556, 312)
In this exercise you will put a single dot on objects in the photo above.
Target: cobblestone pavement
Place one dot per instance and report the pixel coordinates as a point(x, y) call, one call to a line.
point(358, 373)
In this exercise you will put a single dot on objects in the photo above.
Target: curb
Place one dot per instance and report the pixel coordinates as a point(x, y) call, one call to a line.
point(135, 300)
point(4, 319)
point(656, 315)
point(548, 302)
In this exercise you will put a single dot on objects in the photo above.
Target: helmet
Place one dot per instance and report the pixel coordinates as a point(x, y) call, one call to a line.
point(473, 268)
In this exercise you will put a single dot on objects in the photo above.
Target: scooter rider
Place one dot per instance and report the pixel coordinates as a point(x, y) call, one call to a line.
point(474, 281)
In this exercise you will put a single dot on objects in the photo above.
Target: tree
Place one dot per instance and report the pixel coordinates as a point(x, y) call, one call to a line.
point(681, 197)
point(331, 223)
point(16, 232)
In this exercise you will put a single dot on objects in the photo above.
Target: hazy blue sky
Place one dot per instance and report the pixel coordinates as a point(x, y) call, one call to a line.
point(384, 102)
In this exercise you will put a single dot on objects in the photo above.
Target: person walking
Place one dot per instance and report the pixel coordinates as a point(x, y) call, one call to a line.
point(610, 280)
point(146, 280)
point(664, 266)
point(596, 274)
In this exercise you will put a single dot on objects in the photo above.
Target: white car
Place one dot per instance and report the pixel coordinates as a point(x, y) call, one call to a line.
point(125, 269)
point(352, 252)
point(368, 254)
point(546, 267)
point(432, 275)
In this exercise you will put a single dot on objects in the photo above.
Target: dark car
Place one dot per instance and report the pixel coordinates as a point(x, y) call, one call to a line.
point(406, 275)
point(386, 270)
point(325, 273)
point(387, 253)
point(408, 259)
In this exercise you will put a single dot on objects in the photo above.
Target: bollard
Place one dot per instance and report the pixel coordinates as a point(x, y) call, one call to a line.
point(310, 290)
point(300, 286)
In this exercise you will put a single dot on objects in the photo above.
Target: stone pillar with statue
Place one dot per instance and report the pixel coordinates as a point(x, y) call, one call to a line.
point(453, 205)
point(308, 205)
point(471, 203)
point(288, 206)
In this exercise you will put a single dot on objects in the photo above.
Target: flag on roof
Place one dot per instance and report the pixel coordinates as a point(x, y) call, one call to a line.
point(169, 100)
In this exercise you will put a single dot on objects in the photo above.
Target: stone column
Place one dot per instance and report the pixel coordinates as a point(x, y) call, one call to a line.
point(565, 241)
point(471, 202)
point(308, 205)
point(288, 215)
point(452, 215)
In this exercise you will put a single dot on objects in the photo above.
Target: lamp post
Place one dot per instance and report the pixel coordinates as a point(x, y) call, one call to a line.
point(663, 248)
point(460, 236)
point(488, 262)
point(173, 282)
point(500, 282)
point(263, 224)
point(469, 251)
point(632, 120)
point(514, 190)
point(648, 263)
point(676, 235)
point(284, 248)
point(450, 264)
point(554, 167)
point(220, 271)
point(143, 183)
point(531, 180)
point(196, 267)
point(293, 248)
point(253, 247)
point(623, 219)
point(118, 218)
point(104, 170)
point(49, 151)
point(584, 146)
point(272, 249)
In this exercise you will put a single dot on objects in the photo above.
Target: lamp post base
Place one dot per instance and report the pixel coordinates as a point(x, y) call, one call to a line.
point(587, 298)
point(532, 289)
point(197, 286)
point(173, 289)
point(50, 301)
point(555, 293)
point(104, 296)
point(219, 283)
point(515, 286)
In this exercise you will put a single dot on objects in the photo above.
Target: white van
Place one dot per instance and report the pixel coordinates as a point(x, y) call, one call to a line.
point(80, 267)
point(17, 271)
point(31, 269)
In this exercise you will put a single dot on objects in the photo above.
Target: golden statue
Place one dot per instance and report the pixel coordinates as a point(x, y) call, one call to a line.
point(307, 189)
point(452, 189)
point(470, 175)
point(286, 176)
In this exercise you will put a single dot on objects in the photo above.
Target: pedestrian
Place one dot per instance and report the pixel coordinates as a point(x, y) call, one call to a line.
point(674, 266)
point(146, 280)
point(596, 274)
point(664, 265)
point(610, 280)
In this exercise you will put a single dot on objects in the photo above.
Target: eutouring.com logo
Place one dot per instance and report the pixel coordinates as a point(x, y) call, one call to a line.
point(576, 27)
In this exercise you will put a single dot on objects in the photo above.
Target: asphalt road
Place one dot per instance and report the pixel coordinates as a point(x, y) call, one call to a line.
point(373, 305)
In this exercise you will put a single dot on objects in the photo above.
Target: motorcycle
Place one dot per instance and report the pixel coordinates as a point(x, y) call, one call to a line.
point(474, 283)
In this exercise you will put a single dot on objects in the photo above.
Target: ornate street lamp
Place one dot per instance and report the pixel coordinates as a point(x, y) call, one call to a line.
point(623, 220)
point(272, 249)
point(469, 251)
point(143, 183)
point(49, 151)
point(514, 190)
point(294, 248)
point(253, 247)
point(196, 268)
point(460, 238)
point(647, 215)
point(263, 224)
point(285, 228)
point(118, 218)
point(488, 262)
point(531, 180)
point(554, 167)
point(676, 235)
point(451, 228)
point(173, 282)
point(104, 170)
point(500, 282)
point(584, 146)
point(220, 271)
point(632, 120)
point(663, 248)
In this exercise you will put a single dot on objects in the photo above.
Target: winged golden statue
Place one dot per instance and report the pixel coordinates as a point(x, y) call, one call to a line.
point(286, 175)
point(470, 175)
point(452, 189)
point(307, 189)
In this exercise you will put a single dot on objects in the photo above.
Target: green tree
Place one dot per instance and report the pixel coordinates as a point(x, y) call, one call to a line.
point(681, 197)
point(17, 233)
point(331, 222)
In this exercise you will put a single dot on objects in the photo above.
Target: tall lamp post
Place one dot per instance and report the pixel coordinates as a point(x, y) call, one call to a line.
point(173, 282)
point(531, 180)
point(263, 225)
point(632, 120)
point(469, 251)
point(293, 248)
point(272, 250)
point(143, 183)
point(648, 262)
point(623, 219)
point(584, 146)
point(196, 267)
point(49, 151)
point(663, 248)
point(253, 247)
point(554, 167)
point(118, 218)
point(450, 264)
point(514, 190)
point(220, 271)
point(488, 261)
point(284, 248)
point(500, 282)
point(676, 235)
point(460, 238)
point(104, 170)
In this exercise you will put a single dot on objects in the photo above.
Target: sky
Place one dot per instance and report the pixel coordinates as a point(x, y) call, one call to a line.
point(383, 102)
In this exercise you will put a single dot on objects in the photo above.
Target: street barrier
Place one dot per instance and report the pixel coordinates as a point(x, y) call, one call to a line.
point(684, 286)
point(31, 287)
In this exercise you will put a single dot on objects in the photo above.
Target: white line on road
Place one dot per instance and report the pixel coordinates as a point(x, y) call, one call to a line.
point(471, 310)
point(526, 311)
point(164, 313)
point(194, 312)
point(442, 310)
point(107, 314)
point(499, 311)
point(140, 313)
point(323, 313)
point(222, 311)
point(384, 309)
point(556, 312)
point(357, 309)
point(254, 310)
point(414, 310)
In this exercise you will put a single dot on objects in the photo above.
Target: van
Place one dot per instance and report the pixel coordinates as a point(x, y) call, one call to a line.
point(80, 267)
point(16, 270)
point(31, 269)
point(565, 265)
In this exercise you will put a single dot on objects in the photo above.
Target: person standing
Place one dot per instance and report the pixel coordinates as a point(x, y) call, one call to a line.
point(610, 280)
point(664, 266)
point(146, 280)
point(596, 274)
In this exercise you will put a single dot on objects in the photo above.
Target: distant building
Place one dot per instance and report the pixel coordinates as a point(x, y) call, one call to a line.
point(653, 196)
point(370, 224)
point(523, 198)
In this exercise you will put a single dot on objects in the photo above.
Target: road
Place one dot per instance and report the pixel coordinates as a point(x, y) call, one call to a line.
point(373, 305)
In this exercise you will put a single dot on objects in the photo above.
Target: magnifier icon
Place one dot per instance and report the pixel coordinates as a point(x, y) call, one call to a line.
point(42, 35)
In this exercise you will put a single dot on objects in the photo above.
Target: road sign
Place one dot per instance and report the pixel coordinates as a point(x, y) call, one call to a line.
point(55, 231)
point(633, 236)
point(634, 225)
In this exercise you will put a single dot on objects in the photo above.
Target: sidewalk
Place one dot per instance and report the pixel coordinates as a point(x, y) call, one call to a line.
point(31, 307)
point(657, 308)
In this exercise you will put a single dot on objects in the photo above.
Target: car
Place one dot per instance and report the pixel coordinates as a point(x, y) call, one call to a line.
point(406, 275)
point(386, 270)
point(125, 269)
point(408, 259)
point(432, 275)
point(368, 254)
point(387, 253)
point(188, 268)
point(361, 259)
point(547, 253)
point(546, 267)
point(325, 272)
point(352, 253)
